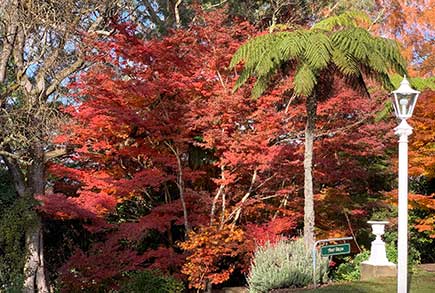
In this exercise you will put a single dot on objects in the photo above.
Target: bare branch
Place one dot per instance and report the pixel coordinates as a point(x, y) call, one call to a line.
point(7, 51)
point(60, 76)
point(177, 13)
point(180, 185)
point(56, 153)
point(14, 157)
point(238, 210)
point(216, 197)
point(153, 15)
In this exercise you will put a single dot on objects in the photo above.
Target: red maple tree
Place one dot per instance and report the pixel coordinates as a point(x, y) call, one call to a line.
point(172, 170)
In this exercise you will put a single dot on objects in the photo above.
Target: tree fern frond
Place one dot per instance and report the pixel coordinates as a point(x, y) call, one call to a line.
point(259, 87)
point(355, 41)
point(293, 44)
point(377, 62)
point(269, 60)
point(344, 20)
point(384, 80)
point(261, 55)
point(345, 63)
point(304, 80)
point(336, 43)
point(390, 50)
point(243, 77)
point(318, 51)
point(251, 50)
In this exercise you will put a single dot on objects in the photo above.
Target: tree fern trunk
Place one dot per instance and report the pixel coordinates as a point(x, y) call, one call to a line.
point(311, 106)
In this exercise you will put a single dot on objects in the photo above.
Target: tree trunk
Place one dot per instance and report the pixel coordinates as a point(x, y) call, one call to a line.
point(34, 280)
point(34, 269)
point(311, 106)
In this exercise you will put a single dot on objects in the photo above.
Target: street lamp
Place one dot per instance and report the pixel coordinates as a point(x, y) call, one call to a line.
point(404, 100)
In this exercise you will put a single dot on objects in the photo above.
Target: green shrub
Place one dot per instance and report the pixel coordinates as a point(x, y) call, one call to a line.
point(413, 254)
point(286, 264)
point(350, 270)
point(14, 220)
point(151, 282)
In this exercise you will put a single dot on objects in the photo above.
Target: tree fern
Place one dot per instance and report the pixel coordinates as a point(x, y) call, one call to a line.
point(346, 19)
point(261, 57)
point(349, 48)
point(334, 44)
point(346, 63)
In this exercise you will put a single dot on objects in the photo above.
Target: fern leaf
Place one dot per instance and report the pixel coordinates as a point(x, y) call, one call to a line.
point(345, 20)
point(293, 44)
point(345, 63)
point(259, 87)
point(304, 80)
point(244, 76)
point(252, 49)
point(318, 51)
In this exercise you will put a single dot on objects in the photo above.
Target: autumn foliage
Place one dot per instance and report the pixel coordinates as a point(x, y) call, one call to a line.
point(172, 170)
point(413, 24)
point(152, 122)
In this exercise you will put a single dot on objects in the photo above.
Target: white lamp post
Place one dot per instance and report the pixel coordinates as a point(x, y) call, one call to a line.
point(404, 100)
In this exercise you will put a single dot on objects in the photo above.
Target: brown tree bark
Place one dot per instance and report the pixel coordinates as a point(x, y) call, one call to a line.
point(309, 218)
point(23, 141)
point(34, 269)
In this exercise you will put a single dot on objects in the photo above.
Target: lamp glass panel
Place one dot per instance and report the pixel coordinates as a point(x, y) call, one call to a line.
point(404, 104)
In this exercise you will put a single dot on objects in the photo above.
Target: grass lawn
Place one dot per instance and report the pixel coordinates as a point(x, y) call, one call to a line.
point(421, 282)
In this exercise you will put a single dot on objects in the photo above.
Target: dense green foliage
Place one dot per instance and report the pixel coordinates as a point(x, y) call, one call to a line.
point(15, 217)
point(284, 264)
point(349, 270)
point(151, 282)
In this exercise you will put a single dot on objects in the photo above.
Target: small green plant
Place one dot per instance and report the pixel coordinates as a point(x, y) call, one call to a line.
point(283, 265)
point(151, 282)
point(350, 269)
point(413, 253)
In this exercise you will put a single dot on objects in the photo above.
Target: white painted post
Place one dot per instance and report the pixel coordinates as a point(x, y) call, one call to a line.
point(403, 131)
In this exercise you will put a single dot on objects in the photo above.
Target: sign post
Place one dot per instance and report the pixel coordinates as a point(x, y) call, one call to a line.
point(329, 250)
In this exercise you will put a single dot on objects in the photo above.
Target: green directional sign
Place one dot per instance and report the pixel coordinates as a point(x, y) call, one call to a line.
point(335, 249)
